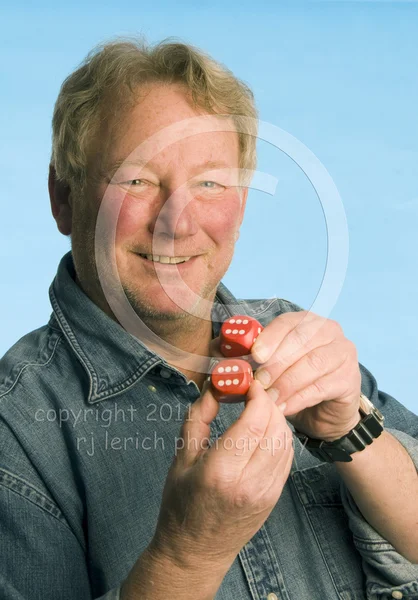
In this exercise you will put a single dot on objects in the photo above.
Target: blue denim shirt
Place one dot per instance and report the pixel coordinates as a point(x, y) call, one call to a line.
point(88, 423)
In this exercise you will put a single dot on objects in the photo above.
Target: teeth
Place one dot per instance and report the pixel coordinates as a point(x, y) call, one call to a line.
point(172, 260)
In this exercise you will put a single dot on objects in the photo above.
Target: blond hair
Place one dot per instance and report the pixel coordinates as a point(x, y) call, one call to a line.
point(114, 71)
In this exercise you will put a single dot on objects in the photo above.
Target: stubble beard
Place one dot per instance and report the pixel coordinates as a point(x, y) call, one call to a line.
point(145, 310)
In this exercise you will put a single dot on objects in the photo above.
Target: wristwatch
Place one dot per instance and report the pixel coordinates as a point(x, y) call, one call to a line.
point(369, 428)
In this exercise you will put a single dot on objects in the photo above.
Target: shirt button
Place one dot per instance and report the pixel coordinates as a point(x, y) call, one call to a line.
point(272, 597)
point(164, 373)
point(397, 594)
point(152, 388)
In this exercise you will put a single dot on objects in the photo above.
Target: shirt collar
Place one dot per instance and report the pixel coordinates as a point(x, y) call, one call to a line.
point(113, 359)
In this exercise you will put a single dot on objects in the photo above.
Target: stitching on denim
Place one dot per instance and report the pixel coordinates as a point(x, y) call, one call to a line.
point(37, 364)
point(276, 573)
point(316, 537)
point(373, 545)
point(72, 340)
point(262, 308)
point(9, 480)
point(119, 388)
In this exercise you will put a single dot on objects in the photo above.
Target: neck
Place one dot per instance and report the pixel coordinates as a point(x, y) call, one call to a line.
point(191, 336)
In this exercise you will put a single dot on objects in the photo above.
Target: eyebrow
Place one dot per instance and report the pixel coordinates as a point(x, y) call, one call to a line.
point(209, 164)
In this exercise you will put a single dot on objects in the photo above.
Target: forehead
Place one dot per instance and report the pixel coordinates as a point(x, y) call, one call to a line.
point(164, 121)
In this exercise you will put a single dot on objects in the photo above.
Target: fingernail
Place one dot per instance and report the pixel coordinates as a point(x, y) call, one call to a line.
point(205, 386)
point(260, 351)
point(263, 377)
point(282, 406)
point(273, 393)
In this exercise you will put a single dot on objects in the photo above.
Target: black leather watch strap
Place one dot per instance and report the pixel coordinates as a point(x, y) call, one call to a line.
point(369, 428)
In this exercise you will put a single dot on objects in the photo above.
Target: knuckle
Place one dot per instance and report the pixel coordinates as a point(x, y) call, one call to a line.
point(319, 388)
point(335, 326)
point(244, 496)
point(288, 382)
point(316, 390)
point(219, 480)
point(317, 361)
point(352, 349)
point(300, 336)
point(255, 430)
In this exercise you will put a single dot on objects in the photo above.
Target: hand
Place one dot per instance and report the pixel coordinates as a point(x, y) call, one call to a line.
point(231, 486)
point(314, 369)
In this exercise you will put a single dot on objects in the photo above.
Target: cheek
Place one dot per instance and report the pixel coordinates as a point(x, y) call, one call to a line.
point(131, 220)
point(222, 219)
point(219, 219)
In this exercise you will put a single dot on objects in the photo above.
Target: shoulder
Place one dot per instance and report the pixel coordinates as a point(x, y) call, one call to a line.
point(34, 351)
point(34, 369)
point(38, 375)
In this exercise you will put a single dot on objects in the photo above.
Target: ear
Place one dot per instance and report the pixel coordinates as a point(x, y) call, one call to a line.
point(61, 202)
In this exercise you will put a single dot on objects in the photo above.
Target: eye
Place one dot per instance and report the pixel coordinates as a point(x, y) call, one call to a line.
point(212, 184)
point(135, 182)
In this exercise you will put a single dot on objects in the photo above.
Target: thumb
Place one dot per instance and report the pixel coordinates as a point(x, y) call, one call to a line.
point(195, 431)
point(215, 348)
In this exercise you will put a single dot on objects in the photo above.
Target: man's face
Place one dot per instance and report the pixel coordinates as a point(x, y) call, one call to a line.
point(170, 207)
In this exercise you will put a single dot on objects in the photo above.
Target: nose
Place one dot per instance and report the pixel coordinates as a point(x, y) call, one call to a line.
point(175, 216)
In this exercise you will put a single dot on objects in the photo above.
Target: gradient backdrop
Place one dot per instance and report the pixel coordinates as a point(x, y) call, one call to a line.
point(339, 76)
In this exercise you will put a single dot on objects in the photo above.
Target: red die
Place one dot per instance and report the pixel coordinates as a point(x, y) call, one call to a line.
point(232, 376)
point(238, 334)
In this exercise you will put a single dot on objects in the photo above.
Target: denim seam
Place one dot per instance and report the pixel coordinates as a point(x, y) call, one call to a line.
point(43, 501)
point(317, 540)
point(368, 541)
point(45, 364)
point(123, 386)
point(118, 388)
point(250, 576)
point(266, 308)
point(373, 545)
point(273, 561)
point(72, 340)
point(406, 588)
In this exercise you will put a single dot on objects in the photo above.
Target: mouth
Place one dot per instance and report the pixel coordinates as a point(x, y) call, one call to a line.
point(167, 261)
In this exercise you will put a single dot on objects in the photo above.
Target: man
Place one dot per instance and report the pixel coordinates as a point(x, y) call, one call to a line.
point(122, 476)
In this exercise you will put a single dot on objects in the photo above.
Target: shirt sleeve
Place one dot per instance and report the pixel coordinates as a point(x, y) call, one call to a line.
point(388, 574)
point(40, 557)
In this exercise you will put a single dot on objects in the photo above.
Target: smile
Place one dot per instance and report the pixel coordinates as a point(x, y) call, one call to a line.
point(167, 260)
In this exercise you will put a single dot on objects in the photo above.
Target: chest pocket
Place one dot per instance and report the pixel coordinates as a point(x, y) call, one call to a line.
point(318, 490)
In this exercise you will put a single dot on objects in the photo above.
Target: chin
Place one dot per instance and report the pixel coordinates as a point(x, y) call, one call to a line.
point(158, 305)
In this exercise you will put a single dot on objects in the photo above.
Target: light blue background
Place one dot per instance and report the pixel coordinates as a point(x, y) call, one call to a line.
point(339, 76)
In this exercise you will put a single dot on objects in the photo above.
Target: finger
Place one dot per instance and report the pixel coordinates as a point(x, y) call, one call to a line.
point(275, 332)
point(251, 423)
point(339, 385)
point(306, 370)
point(301, 340)
point(282, 471)
point(271, 453)
point(195, 432)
